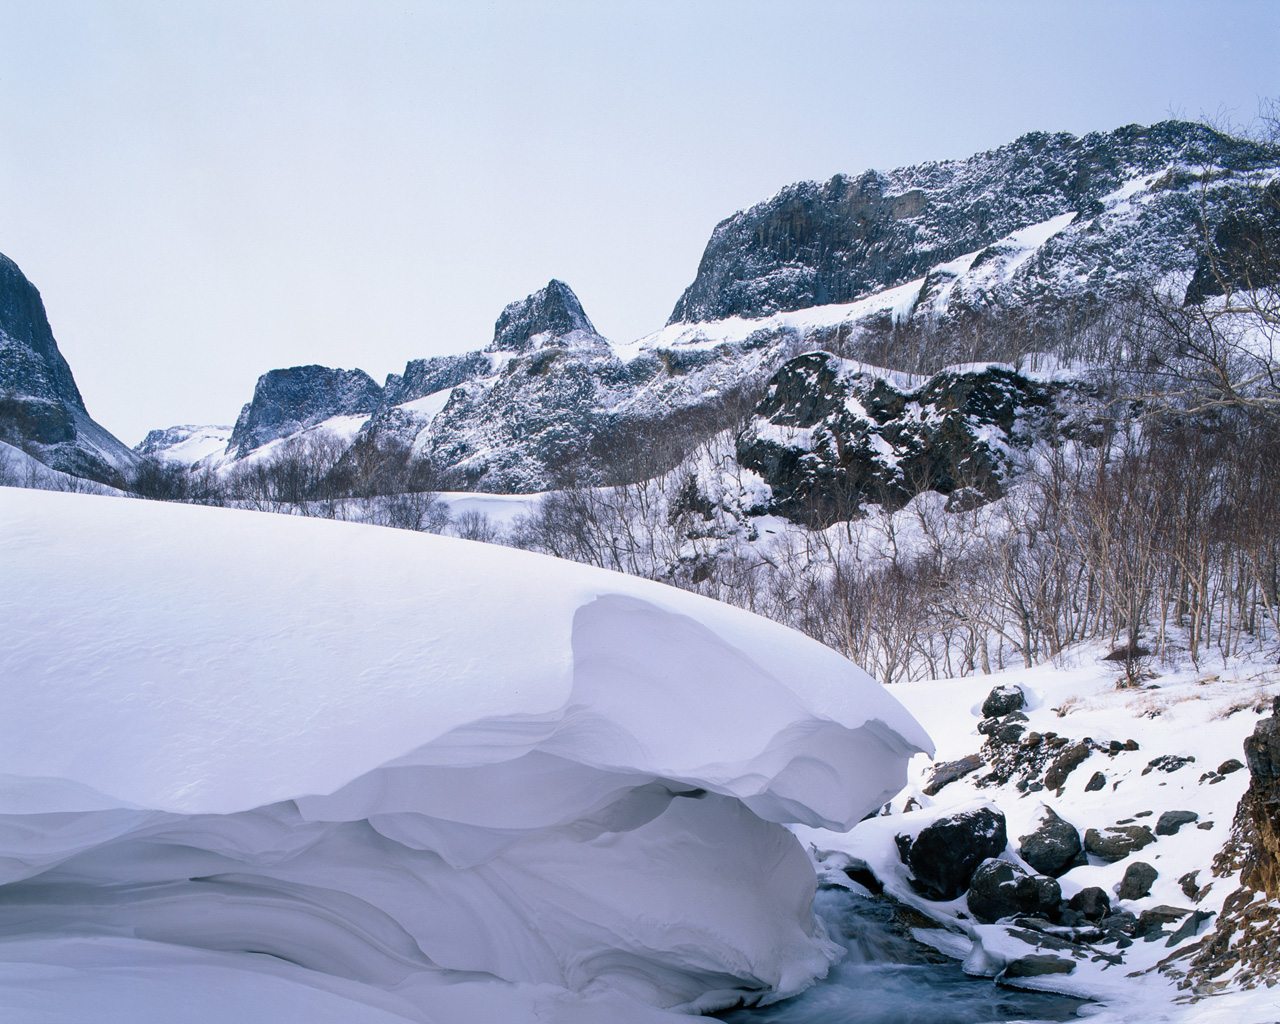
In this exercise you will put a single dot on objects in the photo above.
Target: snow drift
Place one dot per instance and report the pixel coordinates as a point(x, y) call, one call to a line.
point(255, 767)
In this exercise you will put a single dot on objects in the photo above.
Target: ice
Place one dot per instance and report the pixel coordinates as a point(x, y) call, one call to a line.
point(331, 772)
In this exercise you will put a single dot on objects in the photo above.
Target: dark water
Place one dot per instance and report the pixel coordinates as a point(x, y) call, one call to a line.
point(889, 978)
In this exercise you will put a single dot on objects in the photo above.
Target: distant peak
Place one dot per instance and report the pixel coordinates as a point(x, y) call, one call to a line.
point(554, 311)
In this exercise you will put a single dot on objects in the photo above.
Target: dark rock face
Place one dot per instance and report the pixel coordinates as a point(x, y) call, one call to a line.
point(1000, 889)
point(1053, 848)
point(553, 311)
point(1003, 700)
point(1137, 881)
point(828, 242)
point(286, 401)
point(828, 438)
point(945, 853)
point(424, 377)
point(1246, 249)
point(41, 410)
point(1118, 841)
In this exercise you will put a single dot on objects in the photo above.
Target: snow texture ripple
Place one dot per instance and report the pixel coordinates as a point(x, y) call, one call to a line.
point(264, 768)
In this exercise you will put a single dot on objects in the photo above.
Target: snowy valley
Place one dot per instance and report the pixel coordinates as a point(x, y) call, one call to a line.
point(896, 628)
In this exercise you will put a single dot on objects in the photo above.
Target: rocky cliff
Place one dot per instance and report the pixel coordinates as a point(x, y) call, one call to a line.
point(41, 410)
point(287, 401)
point(1137, 201)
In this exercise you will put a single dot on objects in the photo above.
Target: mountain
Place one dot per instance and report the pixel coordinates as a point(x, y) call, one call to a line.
point(906, 268)
point(41, 410)
point(1104, 211)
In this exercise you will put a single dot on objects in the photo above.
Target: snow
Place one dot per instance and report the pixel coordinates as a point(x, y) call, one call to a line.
point(1205, 713)
point(199, 443)
point(339, 773)
point(18, 469)
point(427, 406)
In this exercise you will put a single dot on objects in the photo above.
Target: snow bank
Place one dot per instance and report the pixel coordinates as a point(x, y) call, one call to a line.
point(332, 772)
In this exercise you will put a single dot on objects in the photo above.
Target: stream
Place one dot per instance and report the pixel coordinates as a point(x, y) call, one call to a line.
point(887, 977)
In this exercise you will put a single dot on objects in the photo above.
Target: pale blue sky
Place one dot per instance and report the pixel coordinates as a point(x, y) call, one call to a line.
point(204, 191)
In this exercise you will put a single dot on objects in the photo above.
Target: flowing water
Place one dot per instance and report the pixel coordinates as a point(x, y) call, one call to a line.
point(888, 977)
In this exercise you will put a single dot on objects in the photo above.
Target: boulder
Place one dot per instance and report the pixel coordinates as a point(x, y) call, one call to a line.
point(1000, 889)
point(949, 771)
point(1137, 881)
point(1093, 904)
point(1170, 821)
point(1118, 841)
point(1003, 700)
point(1037, 965)
point(945, 853)
point(1096, 782)
point(1053, 848)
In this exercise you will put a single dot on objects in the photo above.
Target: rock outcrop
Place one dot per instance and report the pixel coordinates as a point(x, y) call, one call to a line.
point(287, 401)
point(830, 437)
point(41, 410)
point(1245, 936)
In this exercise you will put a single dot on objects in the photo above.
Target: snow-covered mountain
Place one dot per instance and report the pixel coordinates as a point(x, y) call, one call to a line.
point(1044, 217)
point(41, 410)
point(1046, 222)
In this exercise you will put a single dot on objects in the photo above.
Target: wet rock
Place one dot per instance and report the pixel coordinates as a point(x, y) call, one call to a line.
point(949, 771)
point(1054, 846)
point(1096, 782)
point(1064, 764)
point(1037, 965)
point(1170, 821)
point(1000, 889)
point(1118, 841)
point(946, 852)
point(1003, 700)
point(1138, 879)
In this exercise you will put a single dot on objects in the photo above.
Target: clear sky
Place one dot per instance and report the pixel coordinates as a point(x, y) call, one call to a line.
point(203, 191)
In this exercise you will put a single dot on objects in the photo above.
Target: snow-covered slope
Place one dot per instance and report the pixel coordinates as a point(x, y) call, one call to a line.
point(186, 444)
point(336, 773)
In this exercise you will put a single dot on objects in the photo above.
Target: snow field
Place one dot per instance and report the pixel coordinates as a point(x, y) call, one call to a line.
point(271, 768)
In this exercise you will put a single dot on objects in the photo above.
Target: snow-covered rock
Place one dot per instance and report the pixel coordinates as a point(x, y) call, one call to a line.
point(333, 772)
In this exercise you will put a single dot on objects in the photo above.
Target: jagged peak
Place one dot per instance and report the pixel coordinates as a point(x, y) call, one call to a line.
point(553, 311)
